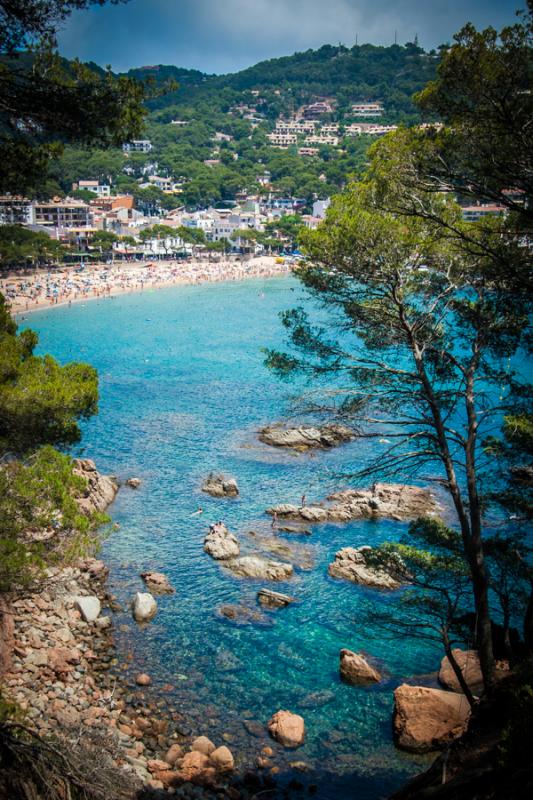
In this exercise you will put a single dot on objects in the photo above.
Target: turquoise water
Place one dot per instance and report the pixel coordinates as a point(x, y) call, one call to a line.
point(183, 392)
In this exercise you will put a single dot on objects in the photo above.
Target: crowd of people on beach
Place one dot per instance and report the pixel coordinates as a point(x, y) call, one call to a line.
point(25, 292)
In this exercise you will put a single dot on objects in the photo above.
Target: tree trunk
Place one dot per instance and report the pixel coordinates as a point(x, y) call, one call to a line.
point(528, 624)
point(465, 688)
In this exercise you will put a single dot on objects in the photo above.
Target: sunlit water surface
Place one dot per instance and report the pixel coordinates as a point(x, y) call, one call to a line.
point(183, 392)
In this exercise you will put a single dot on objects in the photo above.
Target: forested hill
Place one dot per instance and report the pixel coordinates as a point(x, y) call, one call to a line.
point(210, 135)
point(366, 72)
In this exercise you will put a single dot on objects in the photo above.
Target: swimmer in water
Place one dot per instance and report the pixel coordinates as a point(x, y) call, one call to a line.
point(198, 511)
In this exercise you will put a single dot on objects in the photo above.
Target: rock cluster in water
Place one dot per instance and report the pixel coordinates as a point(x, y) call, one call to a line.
point(219, 486)
point(287, 728)
point(306, 437)
point(157, 582)
point(382, 501)
point(220, 544)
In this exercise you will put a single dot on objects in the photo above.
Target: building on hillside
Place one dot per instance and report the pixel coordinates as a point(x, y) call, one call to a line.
point(137, 146)
point(16, 211)
point(476, 212)
point(282, 139)
point(331, 129)
point(62, 214)
point(212, 162)
point(367, 109)
point(180, 122)
point(298, 128)
point(332, 141)
point(165, 184)
point(308, 151)
point(368, 129)
point(320, 207)
point(222, 137)
point(317, 110)
point(101, 189)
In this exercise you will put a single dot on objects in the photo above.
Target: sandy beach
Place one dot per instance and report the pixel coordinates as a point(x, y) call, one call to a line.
point(26, 292)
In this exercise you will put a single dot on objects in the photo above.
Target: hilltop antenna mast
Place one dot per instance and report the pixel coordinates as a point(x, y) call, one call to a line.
point(395, 37)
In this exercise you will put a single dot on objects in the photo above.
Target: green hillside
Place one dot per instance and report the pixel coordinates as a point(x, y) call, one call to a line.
point(244, 107)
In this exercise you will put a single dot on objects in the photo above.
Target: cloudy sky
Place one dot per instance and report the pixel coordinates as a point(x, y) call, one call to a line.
point(227, 35)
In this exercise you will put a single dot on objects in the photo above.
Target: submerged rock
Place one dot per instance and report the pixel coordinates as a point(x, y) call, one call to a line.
point(133, 483)
point(220, 486)
point(222, 758)
point(89, 607)
point(306, 437)
point(255, 566)
point(287, 728)
point(382, 501)
point(317, 699)
point(428, 719)
point(242, 615)
point(157, 582)
point(144, 607)
point(101, 490)
point(220, 543)
point(355, 669)
point(271, 599)
point(355, 564)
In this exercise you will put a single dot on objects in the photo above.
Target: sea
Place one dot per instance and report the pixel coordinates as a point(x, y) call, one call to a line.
point(184, 392)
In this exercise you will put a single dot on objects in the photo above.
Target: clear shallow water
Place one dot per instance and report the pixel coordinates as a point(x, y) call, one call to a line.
point(183, 392)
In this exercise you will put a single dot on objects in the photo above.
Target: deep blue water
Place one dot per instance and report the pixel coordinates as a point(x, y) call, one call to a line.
point(183, 392)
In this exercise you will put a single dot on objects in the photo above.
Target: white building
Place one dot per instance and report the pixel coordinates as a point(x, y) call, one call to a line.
point(101, 189)
point(137, 146)
point(282, 139)
point(320, 207)
point(16, 211)
point(367, 109)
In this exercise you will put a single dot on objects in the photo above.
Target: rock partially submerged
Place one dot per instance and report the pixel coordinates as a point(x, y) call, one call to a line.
point(355, 669)
point(133, 483)
point(220, 543)
point(255, 566)
point(101, 490)
point(382, 501)
point(271, 599)
point(287, 728)
point(428, 719)
point(218, 485)
point(356, 564)
point(144, 607)
point(157, 583)
point(306, 437)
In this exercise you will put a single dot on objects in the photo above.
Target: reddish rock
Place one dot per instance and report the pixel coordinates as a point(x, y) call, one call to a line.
point(203, 745)
point(468, 661)
point(223, 759)
point(174, 752)
point(167, 777)
point(60, 659)
point(196, 767)
point(287, 728)
point(156, 765)
point(143, 679)
point(428, 719)
point(355, 669)
point(157, 582)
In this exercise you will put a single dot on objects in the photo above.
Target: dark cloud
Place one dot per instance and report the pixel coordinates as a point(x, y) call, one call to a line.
point(227, 35)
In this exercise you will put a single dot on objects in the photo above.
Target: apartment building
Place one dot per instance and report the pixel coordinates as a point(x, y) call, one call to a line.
point(367, 109)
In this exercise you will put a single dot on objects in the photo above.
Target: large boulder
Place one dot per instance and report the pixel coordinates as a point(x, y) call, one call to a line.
point(220, 486)
point(355, 669)
point(255, 566)
point(144, 607)
point(306, 437)
point(220, 543)
point(222, 759)
point(271, 599)
point(287, 728)
point(428, 719)
point(100, 489)
point(157, 583)
point(355, 564)
point(468, 662)
point(89, 607)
